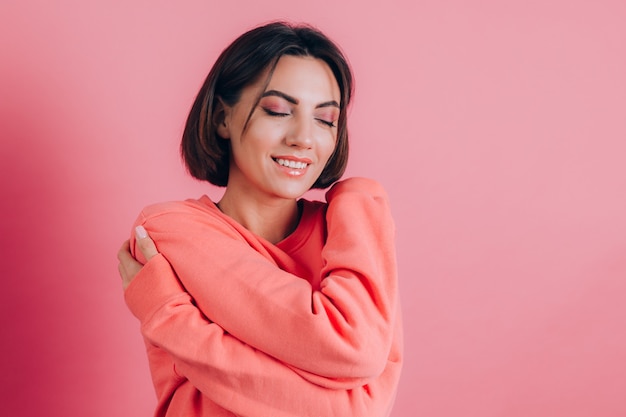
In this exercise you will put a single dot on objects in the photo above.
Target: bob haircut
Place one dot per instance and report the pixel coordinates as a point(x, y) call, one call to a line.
point(207, 155)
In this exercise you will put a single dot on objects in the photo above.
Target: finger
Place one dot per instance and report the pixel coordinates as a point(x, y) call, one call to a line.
point(123, 254)
point(145, 243)
point(123, 273)
point(128, 267)
point(125, 258)
point(126, 276)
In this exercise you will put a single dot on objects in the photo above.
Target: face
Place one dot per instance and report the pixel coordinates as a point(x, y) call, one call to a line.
point(291, 133)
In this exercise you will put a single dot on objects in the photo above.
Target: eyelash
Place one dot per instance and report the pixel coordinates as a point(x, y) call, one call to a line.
point(273, 113)
point(327, 123)
point(276, 114)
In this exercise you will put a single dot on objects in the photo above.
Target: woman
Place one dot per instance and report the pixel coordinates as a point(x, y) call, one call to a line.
point(266, 304)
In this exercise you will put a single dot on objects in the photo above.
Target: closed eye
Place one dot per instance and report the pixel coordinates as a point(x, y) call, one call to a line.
point(326, 122)
point(274, 113)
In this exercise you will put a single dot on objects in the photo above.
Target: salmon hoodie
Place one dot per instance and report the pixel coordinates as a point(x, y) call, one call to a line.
point(237, 326)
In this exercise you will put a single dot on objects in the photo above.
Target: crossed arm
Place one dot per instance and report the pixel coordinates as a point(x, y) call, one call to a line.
point(331, 361)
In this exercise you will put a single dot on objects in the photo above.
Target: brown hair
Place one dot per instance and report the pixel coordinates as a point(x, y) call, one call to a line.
point(205, 153)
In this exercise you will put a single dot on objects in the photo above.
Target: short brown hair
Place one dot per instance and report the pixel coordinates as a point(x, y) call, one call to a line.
point(205, 153)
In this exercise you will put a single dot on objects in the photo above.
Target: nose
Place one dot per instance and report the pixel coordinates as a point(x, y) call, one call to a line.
point(300, 133)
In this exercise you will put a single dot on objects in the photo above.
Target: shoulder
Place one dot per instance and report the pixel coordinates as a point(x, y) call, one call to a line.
point(173, 208)
point(185, 216)
point(357, 185)
point(178, 225)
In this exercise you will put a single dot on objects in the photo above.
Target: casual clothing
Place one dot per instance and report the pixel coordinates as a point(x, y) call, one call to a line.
point(237, 326)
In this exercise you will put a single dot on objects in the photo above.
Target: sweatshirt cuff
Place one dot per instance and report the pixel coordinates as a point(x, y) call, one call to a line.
point(153, 286)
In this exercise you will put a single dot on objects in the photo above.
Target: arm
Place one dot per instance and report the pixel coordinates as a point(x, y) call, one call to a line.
point(158, 292)
point(342, 331)
point(233, 374)
point(168, 315)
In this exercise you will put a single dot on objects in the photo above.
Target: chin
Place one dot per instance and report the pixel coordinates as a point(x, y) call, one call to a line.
point(293, 191)
point(292, 195)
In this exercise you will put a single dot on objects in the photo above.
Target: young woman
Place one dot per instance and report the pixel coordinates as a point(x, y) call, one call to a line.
point(266, 304)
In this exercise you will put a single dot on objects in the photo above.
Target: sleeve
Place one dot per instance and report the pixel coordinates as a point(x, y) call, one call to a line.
point(343, 331)
point(232, 374)
point(168, 315)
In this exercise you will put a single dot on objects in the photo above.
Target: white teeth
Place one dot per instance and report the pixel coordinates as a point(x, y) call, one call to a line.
point(291, 164)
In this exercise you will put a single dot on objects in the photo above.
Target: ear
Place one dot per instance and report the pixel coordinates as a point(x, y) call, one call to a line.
point(221, 119)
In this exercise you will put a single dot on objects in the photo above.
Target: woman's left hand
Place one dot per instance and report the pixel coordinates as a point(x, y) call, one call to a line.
point(128, 266)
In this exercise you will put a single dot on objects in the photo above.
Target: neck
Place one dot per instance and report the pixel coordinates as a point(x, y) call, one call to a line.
point(272, 220)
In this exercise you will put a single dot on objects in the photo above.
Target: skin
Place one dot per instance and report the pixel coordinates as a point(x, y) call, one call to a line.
point(128, 266)
point(260, 194)
point(294, 120)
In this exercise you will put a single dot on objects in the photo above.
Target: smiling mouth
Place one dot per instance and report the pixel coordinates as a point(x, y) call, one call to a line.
point(290, 164)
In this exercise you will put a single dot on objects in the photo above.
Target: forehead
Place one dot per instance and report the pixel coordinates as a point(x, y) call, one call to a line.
point(304, 78)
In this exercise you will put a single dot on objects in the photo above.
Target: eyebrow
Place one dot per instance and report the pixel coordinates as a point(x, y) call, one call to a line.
point(293, 100)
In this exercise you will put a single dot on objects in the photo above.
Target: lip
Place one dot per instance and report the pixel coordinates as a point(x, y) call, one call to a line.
point(293, 158)
point(292, 172)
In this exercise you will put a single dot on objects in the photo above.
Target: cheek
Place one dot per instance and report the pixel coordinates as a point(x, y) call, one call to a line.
point(267, 130)
point(327, 147)
point(259, 137)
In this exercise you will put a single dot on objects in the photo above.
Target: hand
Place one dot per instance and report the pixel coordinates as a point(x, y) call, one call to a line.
point(128, 266)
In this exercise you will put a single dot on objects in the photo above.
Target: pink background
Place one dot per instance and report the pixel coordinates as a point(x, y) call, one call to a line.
point(499, 129)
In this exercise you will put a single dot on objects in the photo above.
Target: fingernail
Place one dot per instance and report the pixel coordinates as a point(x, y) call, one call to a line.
point(140, 232)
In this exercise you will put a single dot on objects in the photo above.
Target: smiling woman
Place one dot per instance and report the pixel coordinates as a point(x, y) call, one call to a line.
point(265, 303)
point(292, 122)
point(279, 152)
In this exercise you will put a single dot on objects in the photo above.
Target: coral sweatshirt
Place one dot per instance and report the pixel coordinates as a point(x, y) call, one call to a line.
point(237, 326)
